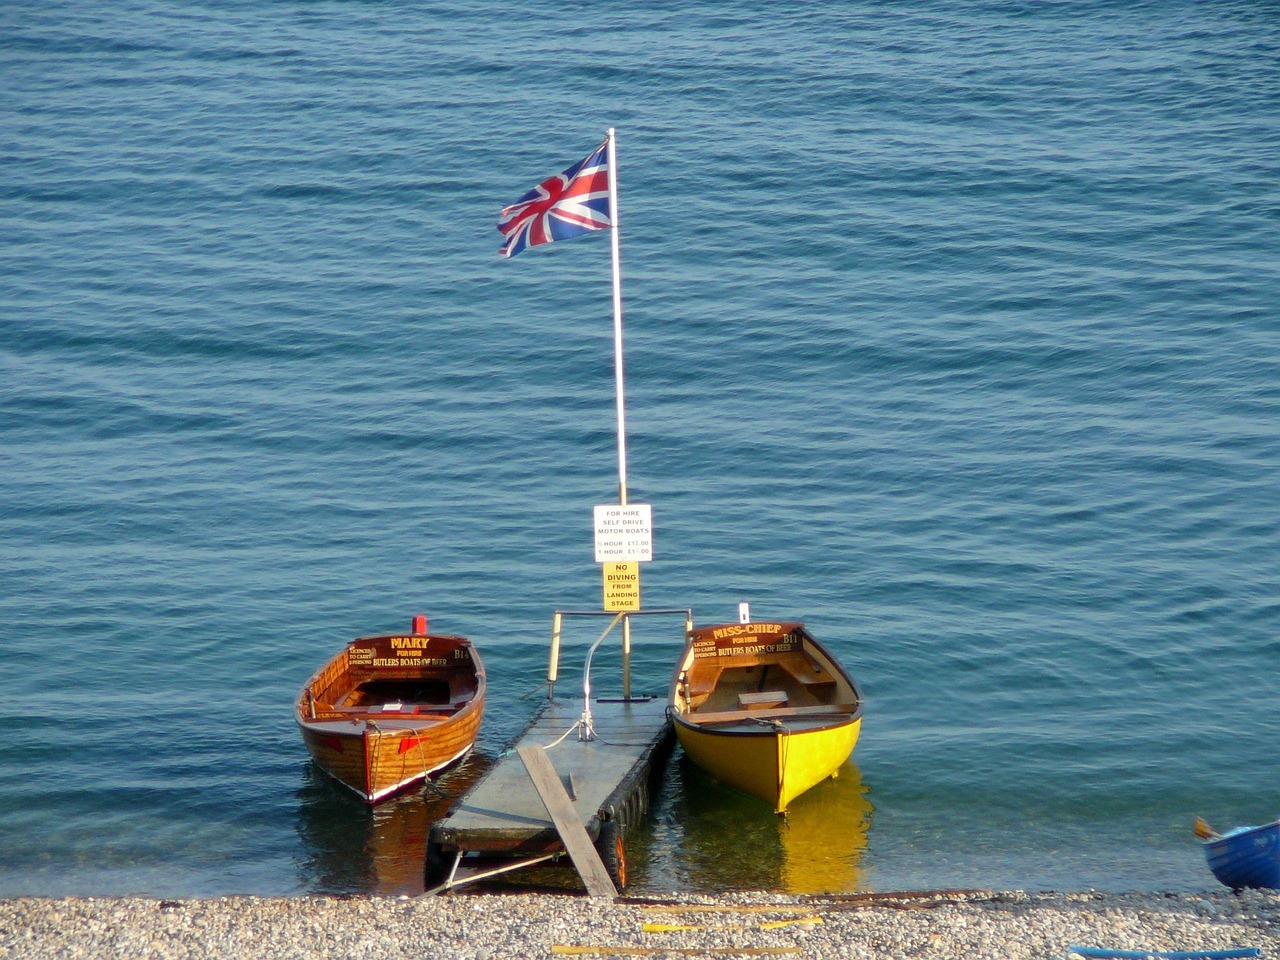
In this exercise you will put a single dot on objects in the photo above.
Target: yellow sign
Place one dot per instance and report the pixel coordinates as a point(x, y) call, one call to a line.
point(622, 586)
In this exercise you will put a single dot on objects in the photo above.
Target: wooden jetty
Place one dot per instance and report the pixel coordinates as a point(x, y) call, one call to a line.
point(577, 778)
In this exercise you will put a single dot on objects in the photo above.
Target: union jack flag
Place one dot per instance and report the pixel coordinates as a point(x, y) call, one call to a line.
point(560, 207)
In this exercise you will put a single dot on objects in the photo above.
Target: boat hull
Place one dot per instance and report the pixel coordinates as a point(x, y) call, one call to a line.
point(388, 712)
point(376, 764)
point(1248, 857)
point(764, 708)
point(776, 765)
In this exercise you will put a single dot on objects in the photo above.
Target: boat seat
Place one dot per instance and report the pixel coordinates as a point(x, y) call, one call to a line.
point(702, 679)
point(806, 671)
point(765, 698)
point(426, 710)
point(767, 713)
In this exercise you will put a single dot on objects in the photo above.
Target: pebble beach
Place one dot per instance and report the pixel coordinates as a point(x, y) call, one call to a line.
point(941, 924)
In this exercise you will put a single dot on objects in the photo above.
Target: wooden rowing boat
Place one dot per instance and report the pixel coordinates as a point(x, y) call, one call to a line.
point(391, 710)
point(765, 708)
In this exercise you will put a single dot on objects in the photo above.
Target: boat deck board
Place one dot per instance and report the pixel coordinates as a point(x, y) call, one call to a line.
point(504, 810)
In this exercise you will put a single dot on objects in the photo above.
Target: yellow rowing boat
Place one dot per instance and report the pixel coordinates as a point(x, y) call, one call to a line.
point(764, 707)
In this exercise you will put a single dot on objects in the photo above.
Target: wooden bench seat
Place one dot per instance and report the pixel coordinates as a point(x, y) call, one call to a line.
point(428, 710)
point(766, 713)
point(764, 699)
point(702, 679)
point(807, 672)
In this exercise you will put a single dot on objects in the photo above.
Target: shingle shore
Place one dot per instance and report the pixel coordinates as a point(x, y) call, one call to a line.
point(944, 924)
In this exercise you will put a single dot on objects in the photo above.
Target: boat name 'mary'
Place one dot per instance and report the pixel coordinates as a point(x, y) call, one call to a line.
point(410, 643)
point(746, 629)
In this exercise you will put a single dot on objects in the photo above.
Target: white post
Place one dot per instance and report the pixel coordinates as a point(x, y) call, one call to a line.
point(618, 379)
point(626, 657)
point(553, 668)
point(617, 318)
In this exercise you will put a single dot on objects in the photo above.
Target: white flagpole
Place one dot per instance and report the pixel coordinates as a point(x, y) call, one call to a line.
point(617, 318)
point(617, 373)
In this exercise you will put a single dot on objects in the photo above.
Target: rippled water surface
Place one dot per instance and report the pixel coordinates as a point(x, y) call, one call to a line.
point(951, 330)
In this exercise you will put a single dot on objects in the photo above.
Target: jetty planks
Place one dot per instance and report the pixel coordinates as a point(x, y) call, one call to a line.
point(504, 817)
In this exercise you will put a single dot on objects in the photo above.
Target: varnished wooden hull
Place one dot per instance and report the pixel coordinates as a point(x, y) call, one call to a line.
point(764, 708)
point(377, 763)
point(387, 712)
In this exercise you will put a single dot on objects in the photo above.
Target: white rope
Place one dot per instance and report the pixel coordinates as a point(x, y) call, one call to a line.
point(558, 740)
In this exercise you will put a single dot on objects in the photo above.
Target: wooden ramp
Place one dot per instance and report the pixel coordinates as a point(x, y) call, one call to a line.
point(503, 823)
point(564, 814)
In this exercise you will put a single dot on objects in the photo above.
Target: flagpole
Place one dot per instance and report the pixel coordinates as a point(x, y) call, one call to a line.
point(617, 374)
point(617, 318)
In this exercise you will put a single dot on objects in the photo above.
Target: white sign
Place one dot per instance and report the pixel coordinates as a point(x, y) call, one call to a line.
point(624, 532)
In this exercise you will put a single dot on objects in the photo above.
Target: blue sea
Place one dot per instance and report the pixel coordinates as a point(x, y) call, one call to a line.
point(951, 329)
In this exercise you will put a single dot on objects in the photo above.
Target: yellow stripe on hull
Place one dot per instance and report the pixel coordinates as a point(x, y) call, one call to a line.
point(776, 766)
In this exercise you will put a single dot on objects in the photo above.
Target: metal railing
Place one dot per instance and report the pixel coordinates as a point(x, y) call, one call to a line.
point(585, 729)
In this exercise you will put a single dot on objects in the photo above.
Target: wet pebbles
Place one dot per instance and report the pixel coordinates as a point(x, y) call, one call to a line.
point(942, 924)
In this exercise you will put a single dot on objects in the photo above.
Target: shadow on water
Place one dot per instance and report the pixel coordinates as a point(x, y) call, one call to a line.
point(350, 847)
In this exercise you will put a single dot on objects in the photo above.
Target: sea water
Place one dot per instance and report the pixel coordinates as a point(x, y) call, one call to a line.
point(951, 329)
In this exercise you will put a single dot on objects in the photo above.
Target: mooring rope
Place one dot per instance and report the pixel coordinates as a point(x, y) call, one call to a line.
point(560, 739)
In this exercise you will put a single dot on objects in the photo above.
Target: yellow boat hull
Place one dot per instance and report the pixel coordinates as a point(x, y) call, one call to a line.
point(775, 764)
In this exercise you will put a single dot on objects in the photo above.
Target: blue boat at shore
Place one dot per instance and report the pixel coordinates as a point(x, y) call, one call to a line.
point(1244, 857)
